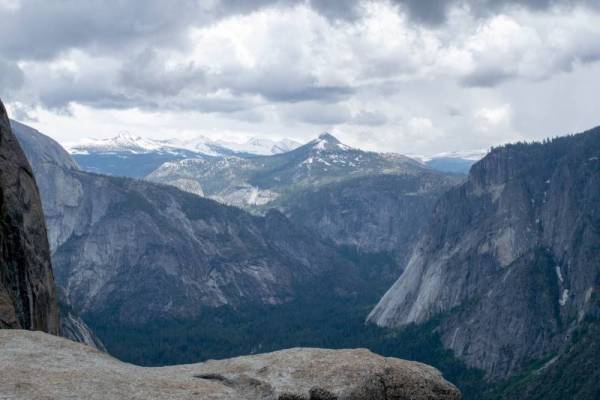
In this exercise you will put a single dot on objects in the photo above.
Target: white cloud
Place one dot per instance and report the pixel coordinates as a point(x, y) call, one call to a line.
point(10, 5)
point(493, 117)
point(410, 79)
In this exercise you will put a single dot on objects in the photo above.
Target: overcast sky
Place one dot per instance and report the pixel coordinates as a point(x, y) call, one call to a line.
point(411, 76)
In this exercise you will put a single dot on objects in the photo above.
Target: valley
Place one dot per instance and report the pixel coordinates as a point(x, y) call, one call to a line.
point(162, 276)
point(299, 200)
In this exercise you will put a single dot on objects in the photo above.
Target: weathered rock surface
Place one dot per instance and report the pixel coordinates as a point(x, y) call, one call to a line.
point(138, 251)
point(61, 193)
point(73, 327)
point(510, 259)
point(372, 214)
point(51, 164)
point(39, 366)
point(27, 293)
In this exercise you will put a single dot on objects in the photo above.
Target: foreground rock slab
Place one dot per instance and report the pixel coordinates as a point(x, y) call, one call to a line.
point(36, 365)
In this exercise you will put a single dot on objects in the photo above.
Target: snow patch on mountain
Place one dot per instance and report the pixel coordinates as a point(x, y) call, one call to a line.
point(258, 146)
point(327, 141)
point(123, 142)
point(470, 155)
point(127, 143)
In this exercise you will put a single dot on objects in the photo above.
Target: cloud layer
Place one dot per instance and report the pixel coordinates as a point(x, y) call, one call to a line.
point(404, 75)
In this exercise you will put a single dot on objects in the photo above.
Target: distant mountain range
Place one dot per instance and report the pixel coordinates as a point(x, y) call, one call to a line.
point(136, 156)
point(261, 182)
point(127, 143)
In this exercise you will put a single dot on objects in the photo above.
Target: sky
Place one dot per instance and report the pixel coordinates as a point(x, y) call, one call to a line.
point(409, 76)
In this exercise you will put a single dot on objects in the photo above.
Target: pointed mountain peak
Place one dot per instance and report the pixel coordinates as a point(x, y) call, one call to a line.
point(328, 137)
point(326, 141)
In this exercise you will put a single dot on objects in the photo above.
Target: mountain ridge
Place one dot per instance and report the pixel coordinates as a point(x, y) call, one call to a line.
point(507, 260)
point(263, 182)
point(129, 143)
point(179, 253)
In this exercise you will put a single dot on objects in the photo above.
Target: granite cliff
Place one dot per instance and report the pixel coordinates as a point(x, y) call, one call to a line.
point(27, 292)
point(135, 251)
point(509, 263)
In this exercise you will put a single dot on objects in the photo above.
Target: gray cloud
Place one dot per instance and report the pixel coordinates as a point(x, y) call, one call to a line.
point(319, 114)
point(281, 81)
point(114, 54)
point(453, 111)
point(146, 73)
point(11, 77)
point(348, 10)
point(41, 29)
point(435, 12)
point(92, 95)
point(486, 77)
point(297, 92)
point(370, 118)
point(431, 12)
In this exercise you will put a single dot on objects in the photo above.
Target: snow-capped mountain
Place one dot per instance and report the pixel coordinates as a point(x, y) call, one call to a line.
point(327, 141)
point(127, 143)
point(123, 142)
point(136, 156)
point(199, 144)
point(258, 146)
point(264, 181)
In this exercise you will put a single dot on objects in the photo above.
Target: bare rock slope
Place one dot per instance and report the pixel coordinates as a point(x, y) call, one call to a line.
point(137, 251)
point(27, 294)
point(509, 262)
point(48, 159)
point(64, 369)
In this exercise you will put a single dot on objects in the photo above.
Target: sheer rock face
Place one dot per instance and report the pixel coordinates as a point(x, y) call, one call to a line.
point(140, 251)
point(61, 193)
point(381, 214)
point(27, 293)
point(50, 164)
point(36, 365)
point(73, 327)
point(510, 259)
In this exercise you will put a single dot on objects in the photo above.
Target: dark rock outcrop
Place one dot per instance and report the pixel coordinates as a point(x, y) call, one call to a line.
point(298, 374)
point(27, 293)
point(509, 262)
point(51, 164)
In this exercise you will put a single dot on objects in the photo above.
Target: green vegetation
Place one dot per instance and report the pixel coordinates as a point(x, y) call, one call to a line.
point(317, 320)
point(573, 374)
